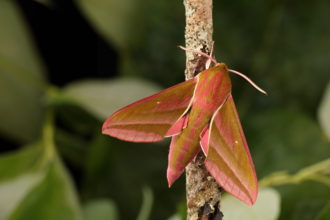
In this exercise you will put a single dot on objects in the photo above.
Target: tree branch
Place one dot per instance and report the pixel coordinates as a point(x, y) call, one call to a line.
point(203, 192)
point(198, 35)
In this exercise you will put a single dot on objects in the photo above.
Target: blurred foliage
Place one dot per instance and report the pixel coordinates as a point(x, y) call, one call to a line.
point(100, 209)
point(323, 112)
point(267, 206)
point(120, 22)
point(87, 94)
point(66, 169)
point(21, 78)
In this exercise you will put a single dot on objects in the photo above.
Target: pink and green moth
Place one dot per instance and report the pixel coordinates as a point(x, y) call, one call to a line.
point(199, 114)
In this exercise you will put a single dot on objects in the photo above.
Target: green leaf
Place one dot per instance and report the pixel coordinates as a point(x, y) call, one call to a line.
point(104, 97)
point(34, 188)
point(19, 162)
point(323, 112)
point(267, 206)
point(54, 198)
point(14, 191)
point(101, 209)
point(21, 78)
point(121, 23)
point(18, 177)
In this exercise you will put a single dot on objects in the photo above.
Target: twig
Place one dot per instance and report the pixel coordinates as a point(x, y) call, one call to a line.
point(203, 193)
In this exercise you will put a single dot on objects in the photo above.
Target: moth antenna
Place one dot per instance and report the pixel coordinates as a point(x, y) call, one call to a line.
point(201, 53)
point(249, 80)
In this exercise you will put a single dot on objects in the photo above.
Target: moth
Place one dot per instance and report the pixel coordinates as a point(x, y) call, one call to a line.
point(199, 114)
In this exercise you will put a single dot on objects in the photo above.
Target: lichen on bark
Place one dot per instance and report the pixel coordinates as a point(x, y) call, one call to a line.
point(198, 34)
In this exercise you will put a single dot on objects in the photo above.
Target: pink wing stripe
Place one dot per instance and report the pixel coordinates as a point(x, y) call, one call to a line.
point(151, 119)
point(204, 130)
point(133, 135)
point(229, 163)
point(228, 184)
point(205, 134)
point(153, 96)
point(231, 100)
point(177, 127)
point(167, 106)
point(231, 154)
point(173, 174)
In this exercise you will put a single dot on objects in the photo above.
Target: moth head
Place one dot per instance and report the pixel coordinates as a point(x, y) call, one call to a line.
point(224, 66)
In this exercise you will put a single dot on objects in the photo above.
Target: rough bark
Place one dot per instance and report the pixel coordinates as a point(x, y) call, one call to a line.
point(198, 35)
point(203, 192)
